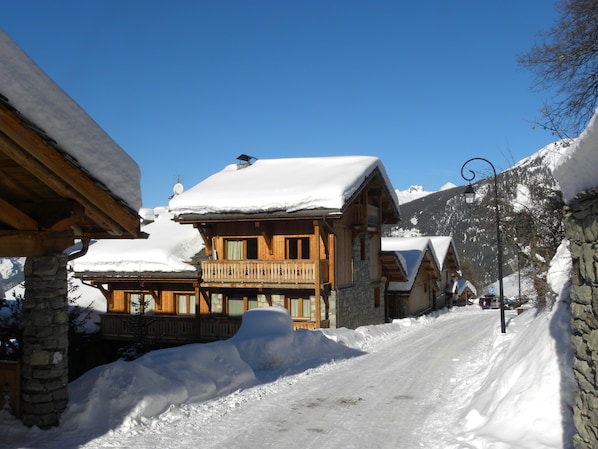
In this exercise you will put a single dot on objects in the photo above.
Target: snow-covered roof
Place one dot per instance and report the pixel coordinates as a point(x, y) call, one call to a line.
point(41, 101)
point(576, 170)
point(168, 249)
point(463, 284)
point(283, 185)
point(442, 245)
point(413, 251)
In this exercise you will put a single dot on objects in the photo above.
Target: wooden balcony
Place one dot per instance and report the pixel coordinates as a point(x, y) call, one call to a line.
point(260, 273)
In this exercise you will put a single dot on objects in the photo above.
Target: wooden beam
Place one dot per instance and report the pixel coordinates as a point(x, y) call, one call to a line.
point(318, 275)
point(206, 235)
point(21, 245)
point(266, 231)
point(14, 218)
point(52, 168)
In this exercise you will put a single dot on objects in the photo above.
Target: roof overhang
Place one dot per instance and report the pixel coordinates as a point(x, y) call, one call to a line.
point(47, 200)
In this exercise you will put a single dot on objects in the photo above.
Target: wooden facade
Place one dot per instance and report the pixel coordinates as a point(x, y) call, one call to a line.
point(305, 262)
point(422, 292)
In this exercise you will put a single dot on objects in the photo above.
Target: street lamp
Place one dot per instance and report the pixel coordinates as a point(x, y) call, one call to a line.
point(469, 194)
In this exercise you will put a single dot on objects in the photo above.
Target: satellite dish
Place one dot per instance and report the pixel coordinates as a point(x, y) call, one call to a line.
point(178, 188)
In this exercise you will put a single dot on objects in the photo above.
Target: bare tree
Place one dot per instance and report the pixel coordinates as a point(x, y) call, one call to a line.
point(566, 62)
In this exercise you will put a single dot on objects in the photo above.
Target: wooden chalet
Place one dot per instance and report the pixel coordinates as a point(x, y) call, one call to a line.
point(300, 233)
point(466, 292)
point(450, 270)
point(419, 293)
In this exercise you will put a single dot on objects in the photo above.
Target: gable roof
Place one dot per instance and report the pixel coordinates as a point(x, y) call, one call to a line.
point(444, 246)
point(281, 187)
point(463, 284)
point(413, 250)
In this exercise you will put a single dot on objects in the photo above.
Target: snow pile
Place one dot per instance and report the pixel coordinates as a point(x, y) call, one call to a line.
point(575, 171)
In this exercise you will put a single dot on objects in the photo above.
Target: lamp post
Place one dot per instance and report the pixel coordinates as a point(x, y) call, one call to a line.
point(469, 194)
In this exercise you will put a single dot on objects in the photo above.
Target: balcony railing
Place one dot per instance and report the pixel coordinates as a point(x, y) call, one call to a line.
point(180, 329)
point(167, 327)
point(259, 272)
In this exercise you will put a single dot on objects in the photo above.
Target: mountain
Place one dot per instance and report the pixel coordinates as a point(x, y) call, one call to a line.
point(11, 273)
point(417, 192)
point(529, 199)
point(527, 189)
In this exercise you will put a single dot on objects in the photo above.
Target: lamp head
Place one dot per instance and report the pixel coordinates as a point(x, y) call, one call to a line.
point(469, 194)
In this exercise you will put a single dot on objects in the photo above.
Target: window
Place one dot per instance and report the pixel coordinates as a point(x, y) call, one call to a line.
point(141, 304)
point(297, 248)
point(240, 249)
point(185, 304)
point(237, 305)
point(300, 308)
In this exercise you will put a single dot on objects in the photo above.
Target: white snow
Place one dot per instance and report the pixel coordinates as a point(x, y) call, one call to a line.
point(280, 185)
point(41, 101)
point(576, 170)
point(413, 250)
point(416, 192)
point(498, 391)
point(169, 248)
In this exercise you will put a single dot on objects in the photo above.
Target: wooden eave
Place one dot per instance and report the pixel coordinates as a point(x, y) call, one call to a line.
point(392, 268)
point(47, 200)
point(379, 194)
point(103, 277)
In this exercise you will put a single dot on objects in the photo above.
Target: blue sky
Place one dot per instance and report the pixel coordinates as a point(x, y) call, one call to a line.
point(185, 86)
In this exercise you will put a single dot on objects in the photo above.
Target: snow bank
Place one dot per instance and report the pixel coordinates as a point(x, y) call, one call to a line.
point(575, 171)
point(529, 381)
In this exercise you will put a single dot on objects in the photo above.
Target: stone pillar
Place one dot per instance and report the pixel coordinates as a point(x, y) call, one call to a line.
point(581, 220)
point(44, 369)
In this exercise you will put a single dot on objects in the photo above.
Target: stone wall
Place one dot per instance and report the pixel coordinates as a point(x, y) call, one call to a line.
point(355, 306)
point(44, 366)
point(581, 221)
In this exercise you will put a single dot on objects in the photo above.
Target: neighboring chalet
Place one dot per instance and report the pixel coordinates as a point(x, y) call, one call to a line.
point(299, 233)
point(432, 268)
point(466, 291)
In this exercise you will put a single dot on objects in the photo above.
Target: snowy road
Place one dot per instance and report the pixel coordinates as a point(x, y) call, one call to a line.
point(402, 393)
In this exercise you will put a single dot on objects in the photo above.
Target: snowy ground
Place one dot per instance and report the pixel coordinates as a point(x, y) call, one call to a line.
point(449, 381)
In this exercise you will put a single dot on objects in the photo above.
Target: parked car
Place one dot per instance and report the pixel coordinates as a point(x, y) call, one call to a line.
point(489, 302)
point(512, 303)
point(484, 302)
